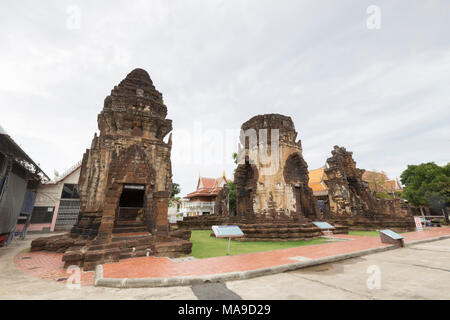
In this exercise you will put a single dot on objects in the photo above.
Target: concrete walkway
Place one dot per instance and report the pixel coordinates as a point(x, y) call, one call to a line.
point(419, 271)
point(26, 284)
point(157, 270)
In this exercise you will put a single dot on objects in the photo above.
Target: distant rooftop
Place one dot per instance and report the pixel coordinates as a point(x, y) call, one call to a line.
point(208, 186)
point(316, 181)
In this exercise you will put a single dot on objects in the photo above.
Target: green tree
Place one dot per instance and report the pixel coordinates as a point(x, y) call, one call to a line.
point(376, 180)
point(427, 184)
point(232, 197)
point(232, 187)
point(175, 190)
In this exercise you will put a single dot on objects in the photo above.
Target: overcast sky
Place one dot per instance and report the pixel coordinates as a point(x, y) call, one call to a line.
point(382, 93)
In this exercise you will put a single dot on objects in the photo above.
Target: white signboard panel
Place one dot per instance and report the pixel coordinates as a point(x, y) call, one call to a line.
point(227, 231)
point(323, 225)
point(418, 221)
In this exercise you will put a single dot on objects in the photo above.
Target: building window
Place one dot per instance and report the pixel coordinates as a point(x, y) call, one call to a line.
point(70, 191)
point(67, 213)
point(42, 215)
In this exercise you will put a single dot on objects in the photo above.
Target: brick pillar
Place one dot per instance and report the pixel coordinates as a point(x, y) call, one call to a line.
point(105, 230)
point(162, 207)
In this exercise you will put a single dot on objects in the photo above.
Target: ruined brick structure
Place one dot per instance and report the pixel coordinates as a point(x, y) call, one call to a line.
point(277, 190)
point(129, 151)
point(352, 203)
point(221, 203)
point(126, 179)
point(274, 203)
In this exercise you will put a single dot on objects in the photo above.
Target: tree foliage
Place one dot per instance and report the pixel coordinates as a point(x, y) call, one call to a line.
point(232, 187)
point(427, 184)
point(175, 190)
point(232, 197)
point(376, 180)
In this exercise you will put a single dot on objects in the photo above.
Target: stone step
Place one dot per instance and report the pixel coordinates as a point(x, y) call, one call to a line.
point(140, 253)
point(136, 248)
point(134, 229)
point(129, 236)
point(129, 223)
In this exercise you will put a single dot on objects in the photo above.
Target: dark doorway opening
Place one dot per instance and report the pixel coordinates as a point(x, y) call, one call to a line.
point(131, 202)
point(132, 198)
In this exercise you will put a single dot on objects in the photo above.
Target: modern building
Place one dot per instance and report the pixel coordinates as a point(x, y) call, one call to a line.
point(59, 196)
point(173, 213)
point(20, 177)
point(202, 200)
point(57, 203)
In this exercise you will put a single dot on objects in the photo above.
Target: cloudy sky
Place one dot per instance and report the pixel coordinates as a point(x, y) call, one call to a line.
point(382, 93)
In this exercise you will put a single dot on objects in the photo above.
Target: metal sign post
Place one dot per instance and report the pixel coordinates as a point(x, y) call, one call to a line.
point(325, 227)
point(227, 232)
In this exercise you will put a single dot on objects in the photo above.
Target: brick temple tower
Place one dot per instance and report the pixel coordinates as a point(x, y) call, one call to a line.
point(127, 170)
point(125, 183)
point(275, 187)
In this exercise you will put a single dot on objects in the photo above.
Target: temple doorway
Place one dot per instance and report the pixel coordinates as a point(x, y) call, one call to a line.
point(131, 202)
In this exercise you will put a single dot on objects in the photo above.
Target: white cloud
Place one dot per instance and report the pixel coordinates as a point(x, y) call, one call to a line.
point(380, 93)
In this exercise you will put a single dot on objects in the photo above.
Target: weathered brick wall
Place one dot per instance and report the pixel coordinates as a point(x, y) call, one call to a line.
point(129, 150)
point(281, 193)
point(221, 203)
point(352, 203)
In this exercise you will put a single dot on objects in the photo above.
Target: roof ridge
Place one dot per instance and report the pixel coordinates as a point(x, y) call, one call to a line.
point(68, 172)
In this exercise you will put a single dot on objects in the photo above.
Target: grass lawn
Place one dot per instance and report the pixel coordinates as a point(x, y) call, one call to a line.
point(371, 233)
point(204, 246)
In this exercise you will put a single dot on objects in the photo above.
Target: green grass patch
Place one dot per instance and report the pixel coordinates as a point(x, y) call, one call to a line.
point(370, 233)
point(205, 246)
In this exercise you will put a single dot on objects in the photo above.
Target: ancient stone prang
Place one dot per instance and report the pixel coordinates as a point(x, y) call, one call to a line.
point(272, 176)
point(349, 194)
point(125, 182)
point(273, 200)
point(128, 159)
point(352, 203)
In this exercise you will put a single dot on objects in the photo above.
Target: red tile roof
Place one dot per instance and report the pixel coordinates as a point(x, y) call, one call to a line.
point(316, 182)
point(208, 186)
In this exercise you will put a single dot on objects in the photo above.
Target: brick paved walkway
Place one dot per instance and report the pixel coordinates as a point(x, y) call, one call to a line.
point(49, 266)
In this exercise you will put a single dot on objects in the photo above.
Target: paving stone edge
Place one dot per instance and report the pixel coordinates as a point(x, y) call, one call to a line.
point(100, 281)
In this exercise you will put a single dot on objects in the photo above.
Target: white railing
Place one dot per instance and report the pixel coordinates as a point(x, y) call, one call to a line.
point(198, 205)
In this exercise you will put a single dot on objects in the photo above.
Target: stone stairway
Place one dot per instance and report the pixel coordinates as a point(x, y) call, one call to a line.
point(125, 227)
point(134, 237)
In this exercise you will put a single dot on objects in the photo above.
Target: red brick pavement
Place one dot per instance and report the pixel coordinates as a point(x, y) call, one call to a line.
point(49, 266)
